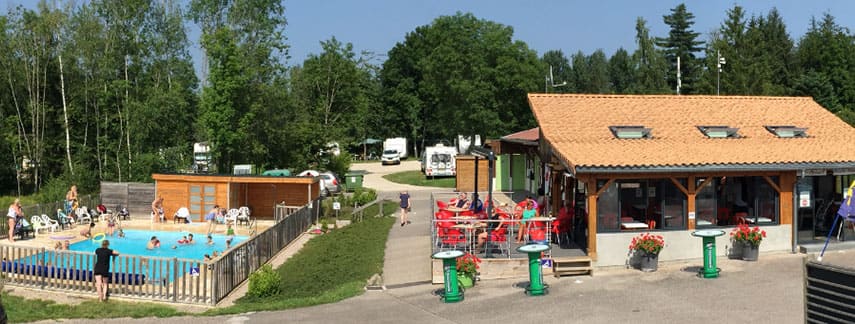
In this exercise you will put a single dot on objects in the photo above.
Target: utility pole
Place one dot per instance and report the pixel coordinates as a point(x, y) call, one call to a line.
point(719, 62)
point(679, 83)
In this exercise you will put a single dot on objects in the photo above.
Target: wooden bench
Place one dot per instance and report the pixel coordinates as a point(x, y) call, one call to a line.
point(581, 265)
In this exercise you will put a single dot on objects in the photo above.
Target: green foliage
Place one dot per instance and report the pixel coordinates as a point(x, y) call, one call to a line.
point(334, 266)
point(681, 42)
point(264, 282)
point(339, 165)
point(363, 196)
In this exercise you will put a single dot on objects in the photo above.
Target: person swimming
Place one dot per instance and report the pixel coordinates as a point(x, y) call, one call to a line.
point(183, 240)
point(190, 239)
point(210, 240)
point(153, 243)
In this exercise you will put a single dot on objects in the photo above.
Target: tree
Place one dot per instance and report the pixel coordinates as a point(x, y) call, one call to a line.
point(464, 73)
point(650, 63)
point(681, 42)
point(621, 71)
point(825, 54)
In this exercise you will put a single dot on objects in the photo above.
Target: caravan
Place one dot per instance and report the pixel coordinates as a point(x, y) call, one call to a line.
point(440, 161)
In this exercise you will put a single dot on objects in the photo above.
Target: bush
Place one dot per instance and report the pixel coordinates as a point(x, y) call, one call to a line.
point(264, 283)
point(364, 196)
point(338, 164)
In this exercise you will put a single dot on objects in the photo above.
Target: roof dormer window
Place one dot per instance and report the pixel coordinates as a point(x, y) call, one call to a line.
point(630, 132)
point(719, 131)
point(787, 131)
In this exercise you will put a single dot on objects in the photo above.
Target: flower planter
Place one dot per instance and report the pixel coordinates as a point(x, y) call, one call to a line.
point(750, 252)
point(466, 281)
point(648, 262)
point(736, 249)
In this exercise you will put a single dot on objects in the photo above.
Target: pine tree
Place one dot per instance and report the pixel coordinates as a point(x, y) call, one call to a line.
point(681, 42)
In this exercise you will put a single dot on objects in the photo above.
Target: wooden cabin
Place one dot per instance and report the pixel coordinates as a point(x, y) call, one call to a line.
point(199, 193)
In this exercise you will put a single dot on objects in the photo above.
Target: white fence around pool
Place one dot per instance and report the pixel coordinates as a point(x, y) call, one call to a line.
point(154, 278)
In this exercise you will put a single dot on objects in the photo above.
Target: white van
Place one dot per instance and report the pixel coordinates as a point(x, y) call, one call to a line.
point(440, 161)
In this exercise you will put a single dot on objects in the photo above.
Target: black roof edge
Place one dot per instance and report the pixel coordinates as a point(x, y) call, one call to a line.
point(717, 167)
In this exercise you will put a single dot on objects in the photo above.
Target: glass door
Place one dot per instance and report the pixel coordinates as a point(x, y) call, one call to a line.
point(202, 198)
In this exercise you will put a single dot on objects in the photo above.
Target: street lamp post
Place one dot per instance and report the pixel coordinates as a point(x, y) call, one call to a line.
point(719, 62)
point(550, 82)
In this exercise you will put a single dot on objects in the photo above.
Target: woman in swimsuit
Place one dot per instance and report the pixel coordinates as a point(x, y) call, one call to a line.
point(111, 224)
point(12, 217)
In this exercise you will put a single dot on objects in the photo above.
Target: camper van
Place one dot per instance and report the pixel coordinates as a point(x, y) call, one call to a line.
point(440, 161)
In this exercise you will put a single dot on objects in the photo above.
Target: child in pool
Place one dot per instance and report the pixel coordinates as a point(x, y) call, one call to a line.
point(210, 240)
point(87, 232)
point(183, 240)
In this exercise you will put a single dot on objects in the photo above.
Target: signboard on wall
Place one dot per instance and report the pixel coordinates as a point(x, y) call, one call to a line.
point(691, 215)
point(804, 199)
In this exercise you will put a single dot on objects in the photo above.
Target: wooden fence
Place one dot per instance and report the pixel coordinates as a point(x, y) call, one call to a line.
point(153, 278)
point(137, 197)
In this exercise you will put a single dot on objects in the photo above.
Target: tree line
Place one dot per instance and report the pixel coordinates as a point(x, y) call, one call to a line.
point(106, 90)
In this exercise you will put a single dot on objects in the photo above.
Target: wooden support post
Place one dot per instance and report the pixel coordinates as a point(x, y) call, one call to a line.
point(592, 217)
point(690, 198)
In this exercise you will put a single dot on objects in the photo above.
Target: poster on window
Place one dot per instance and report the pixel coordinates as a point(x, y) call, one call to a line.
point(804, 200)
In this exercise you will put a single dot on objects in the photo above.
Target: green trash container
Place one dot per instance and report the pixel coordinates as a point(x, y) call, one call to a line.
point(353, 181)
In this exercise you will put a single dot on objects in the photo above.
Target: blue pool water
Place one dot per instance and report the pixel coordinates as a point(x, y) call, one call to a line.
point(135, 241)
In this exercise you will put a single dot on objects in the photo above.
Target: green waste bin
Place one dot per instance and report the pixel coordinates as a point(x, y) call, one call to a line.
point(353, 181)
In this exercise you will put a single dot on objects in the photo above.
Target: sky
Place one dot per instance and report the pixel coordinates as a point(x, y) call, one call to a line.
point(569, 25)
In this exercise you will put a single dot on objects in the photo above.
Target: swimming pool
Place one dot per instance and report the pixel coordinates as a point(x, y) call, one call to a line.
point(135, 241)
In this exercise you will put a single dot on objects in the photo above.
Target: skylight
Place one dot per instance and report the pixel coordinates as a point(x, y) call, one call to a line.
point(719, 131)
point(787, 131)
point(630, 132)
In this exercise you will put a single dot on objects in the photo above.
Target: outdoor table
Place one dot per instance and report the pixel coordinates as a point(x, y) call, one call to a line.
point(452, 292)
point(633, 225)
point(708, 236)
point(469, 228)
point(456, 210)
point(535, 275)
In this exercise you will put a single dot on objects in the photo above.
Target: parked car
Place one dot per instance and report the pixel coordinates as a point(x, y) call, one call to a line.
point(329, 182)
point(390, 157)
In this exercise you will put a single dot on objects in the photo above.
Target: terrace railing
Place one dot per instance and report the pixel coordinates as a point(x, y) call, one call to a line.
point(235, 266)
point(153, 278)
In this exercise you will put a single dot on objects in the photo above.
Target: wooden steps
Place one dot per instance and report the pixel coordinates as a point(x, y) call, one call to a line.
point(580, 265)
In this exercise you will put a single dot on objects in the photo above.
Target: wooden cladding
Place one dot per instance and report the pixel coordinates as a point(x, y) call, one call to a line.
point(196, 192)
point(466, 174)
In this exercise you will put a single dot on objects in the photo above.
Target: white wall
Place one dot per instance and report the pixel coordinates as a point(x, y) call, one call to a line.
point(613, 248)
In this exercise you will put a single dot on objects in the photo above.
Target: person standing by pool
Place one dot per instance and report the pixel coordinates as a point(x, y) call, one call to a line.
point(211, 218)
point(102, 268)
point(111, 224)
point(71, 199)
point(405, 206)
point(157, 209)
point(12, 217)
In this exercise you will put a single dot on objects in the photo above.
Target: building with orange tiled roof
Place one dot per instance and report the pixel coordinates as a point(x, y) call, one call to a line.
point(674, 164)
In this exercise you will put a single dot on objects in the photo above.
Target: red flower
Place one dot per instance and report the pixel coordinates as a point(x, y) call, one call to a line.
point(647, 243)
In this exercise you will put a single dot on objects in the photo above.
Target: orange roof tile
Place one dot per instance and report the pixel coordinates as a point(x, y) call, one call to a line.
point(577, 127)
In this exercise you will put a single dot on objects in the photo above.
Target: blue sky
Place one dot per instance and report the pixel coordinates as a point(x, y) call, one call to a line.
point(377, 25)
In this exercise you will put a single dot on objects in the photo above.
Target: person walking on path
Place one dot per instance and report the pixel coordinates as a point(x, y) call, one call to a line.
point(102, 268)
point(405, 207)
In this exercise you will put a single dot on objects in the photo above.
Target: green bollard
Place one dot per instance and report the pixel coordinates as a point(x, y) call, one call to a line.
point(452, 293)
point(708, 239)
point(535, 275)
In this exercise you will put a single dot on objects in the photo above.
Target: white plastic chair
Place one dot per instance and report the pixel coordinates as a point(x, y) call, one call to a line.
point(243, 214)
point(64, 219)
point(49, 223)
point(37, 225)
point(82, 215)
point(181, 215)
point(232, 216)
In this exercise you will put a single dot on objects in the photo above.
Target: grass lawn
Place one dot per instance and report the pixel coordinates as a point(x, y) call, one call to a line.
point(417, 178)
point(28, 310)
point(329, 268)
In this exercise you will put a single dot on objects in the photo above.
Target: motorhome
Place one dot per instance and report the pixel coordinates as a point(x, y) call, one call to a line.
point(201, 157)
point(398, 144)
point(440, 161)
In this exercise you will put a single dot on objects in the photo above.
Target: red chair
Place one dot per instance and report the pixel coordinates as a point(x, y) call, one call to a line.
point(537, 232)
point(441, 204)
point(651, 224)
point(739, 218)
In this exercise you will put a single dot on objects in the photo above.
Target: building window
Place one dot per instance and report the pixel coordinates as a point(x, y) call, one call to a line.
point(787, 131)
point(719, 131)
point(630, 132)
point(730, 201)
point(632, 205)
